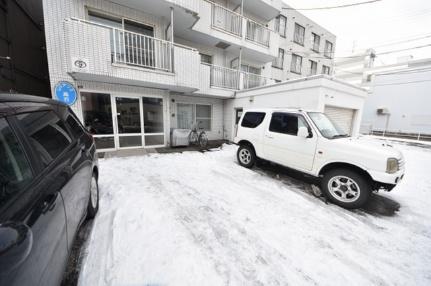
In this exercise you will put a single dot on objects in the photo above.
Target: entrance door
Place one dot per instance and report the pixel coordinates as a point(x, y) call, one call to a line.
point(238, 114)
point(129, 122)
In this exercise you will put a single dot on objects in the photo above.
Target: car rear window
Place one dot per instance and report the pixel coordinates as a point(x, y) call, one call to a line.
point(252, 119)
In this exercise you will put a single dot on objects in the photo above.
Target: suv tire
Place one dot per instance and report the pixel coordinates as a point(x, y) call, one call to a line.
point(246, 156)
point(93, 202)
point(346, 188)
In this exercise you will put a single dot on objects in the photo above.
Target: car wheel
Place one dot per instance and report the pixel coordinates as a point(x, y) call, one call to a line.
point(246, 156)
point(93, 202)
point(346, 188)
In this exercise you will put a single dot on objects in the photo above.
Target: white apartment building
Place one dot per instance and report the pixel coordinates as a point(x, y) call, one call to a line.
point(306, 49)
point(142, 68)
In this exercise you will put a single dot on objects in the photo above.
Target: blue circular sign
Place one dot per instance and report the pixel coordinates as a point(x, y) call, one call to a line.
point(66, 92)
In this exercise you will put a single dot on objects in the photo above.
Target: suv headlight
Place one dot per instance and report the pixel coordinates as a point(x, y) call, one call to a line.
point(392, 165)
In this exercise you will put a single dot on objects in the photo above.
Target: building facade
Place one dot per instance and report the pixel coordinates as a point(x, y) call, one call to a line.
point(399, 102)
point(23, 61)
point(143, 68)
point(306, 49)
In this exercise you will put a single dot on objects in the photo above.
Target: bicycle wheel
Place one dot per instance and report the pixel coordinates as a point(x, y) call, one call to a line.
point(193, 138)
point(203, 140)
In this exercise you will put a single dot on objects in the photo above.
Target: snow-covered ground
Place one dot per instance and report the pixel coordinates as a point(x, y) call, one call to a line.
point(201, 219)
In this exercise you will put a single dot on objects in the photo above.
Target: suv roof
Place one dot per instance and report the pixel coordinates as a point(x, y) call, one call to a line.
point(278, 109)
point(6, 98)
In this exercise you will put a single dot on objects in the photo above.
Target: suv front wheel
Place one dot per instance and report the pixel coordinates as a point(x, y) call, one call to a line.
point(246, 156)
point(346, 188)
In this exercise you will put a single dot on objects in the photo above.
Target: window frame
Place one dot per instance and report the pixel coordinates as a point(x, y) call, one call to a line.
point(206, 55)
point(32, 161)
point(298, 115)
point(311, 67)
point(303, 34)
point(194, 113)
point(314, 36)
point(36, 159)
point(327, 53)
point(300, 66)
point(325, 67)
point(278, 25)
point(274, 63)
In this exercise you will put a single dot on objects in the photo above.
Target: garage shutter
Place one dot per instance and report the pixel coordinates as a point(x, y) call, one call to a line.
point(343, 117)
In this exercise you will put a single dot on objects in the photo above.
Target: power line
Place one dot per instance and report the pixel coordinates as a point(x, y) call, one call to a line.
point(333, 7)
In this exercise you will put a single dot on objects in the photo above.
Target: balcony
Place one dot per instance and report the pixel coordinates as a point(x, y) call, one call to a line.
point(101, 53)
point(220, 26)
point(223, 82)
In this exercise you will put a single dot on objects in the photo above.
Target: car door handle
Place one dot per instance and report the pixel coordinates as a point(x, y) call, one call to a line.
point(49, 202)
point(268, 136)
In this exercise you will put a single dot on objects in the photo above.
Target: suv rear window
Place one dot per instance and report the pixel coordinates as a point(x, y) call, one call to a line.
point(252, 119)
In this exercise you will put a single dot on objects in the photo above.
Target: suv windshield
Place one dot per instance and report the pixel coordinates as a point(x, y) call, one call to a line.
point(327, 128)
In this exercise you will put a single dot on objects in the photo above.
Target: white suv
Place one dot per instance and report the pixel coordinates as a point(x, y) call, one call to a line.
point(349, 168)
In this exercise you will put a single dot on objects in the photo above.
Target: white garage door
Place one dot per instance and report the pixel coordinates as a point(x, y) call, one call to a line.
point(343, 117)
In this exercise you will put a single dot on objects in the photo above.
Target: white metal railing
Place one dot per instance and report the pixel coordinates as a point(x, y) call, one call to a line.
point(254, 80)
point(258, 33)
point(226, 19)
point(140, 50)
point(224, 77)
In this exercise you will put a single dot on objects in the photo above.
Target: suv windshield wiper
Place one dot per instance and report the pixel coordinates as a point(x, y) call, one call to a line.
point(340, 136)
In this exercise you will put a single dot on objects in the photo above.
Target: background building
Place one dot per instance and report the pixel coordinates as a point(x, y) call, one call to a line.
point(357, 68)
point(399, 102)
point(305, 49)
point(23, 62)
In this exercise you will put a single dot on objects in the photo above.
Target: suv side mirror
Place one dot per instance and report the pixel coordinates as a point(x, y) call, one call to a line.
point(303, 132)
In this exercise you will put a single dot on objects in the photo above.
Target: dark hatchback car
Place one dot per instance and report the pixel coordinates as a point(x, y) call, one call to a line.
point(48, 186)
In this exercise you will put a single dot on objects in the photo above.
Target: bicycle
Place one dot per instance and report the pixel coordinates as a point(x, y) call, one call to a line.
point(198, 137)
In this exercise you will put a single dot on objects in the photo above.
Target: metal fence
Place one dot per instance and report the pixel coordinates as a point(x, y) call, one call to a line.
point(257, 33)
point(141, 50)
point(224, 77)
point(254, 80)
point(226, 20)
point(402, 135)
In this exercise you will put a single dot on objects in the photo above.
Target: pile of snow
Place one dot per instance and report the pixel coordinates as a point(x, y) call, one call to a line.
point(201, 219)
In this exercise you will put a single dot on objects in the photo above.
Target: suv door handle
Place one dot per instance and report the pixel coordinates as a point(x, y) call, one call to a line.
point(49, 202)
point(269, 136)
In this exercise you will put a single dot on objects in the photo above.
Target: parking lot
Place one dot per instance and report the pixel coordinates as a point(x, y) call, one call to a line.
point(201, 219)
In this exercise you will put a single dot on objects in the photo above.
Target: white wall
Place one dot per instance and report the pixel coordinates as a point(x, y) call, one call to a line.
point(407, 96)
point(310, 94)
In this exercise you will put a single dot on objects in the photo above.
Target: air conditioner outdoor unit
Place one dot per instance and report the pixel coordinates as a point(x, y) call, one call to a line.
point(382, 111)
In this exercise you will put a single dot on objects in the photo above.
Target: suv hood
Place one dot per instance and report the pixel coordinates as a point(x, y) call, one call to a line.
point(369, 146)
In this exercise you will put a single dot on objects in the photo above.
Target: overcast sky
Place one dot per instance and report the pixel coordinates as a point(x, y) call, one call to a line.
point(375, 25)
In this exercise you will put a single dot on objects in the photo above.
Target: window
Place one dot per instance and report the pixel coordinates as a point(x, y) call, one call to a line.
point(206, 59)
point(298, 36)
point(47, 134)
point(96, 110)
point(15, 172)
point(280, 25)
point(313, 67)
point(326, 70)
point(328, 49)
point(279, 61)
point(153, 114)
point(191, 114)
point(75, 127)
point(296, 64)
point(287, 123)
point(252, 119)
point(203, 116)
point(316, 42)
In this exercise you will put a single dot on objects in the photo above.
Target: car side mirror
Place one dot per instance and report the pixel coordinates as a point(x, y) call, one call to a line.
point(303, 132)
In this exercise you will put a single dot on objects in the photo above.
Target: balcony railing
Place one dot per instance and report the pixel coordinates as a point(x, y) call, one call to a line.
point(226, 20)
point(258, 33)
point(234, 79)
point(140, 50)
point(224, 77)
point(254, 80)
